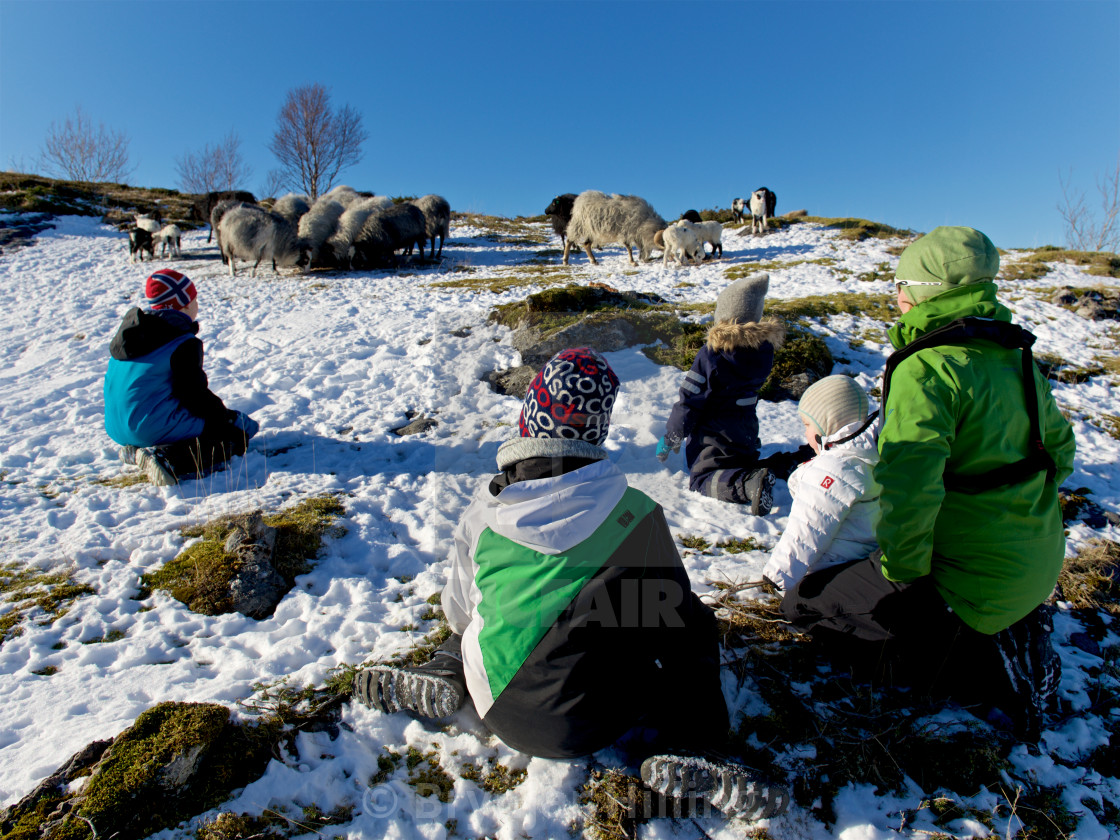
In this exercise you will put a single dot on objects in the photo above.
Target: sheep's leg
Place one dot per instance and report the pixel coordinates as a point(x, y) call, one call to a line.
point(630, 251)
point(591, 256)
point(567, 248)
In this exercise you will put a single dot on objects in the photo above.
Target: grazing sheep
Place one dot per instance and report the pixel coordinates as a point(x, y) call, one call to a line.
point(691, 216)
point(340, 247)
point(148, 222)
point(203, 207)
point(437, 220)
point(682, 243)
point(561, 212)
point(218, 212)
point(599, 220)
point(763, 203)
point(170, 240)
point(139, 241)
point(738, 210)
point(318, 224)
point(253, 234)
point(385, 231)
point(712, 233)
point(344, 195)
point(292, 207)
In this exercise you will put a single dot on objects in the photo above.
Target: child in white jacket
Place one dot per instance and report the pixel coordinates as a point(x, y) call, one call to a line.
point(835, 496)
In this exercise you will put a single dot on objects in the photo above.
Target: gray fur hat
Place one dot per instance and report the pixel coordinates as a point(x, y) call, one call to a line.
point(742, 300)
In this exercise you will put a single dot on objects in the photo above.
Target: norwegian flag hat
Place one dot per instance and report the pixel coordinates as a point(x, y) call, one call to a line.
point(570, 398)
point(168, 289)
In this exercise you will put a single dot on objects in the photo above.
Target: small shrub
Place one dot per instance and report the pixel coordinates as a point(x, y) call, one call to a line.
point(1091, 578)
point(697, 543)
point(802, 352)
point(740, 546)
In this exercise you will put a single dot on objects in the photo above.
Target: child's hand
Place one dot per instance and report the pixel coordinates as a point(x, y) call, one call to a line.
point(245, 423)
point(663, 450)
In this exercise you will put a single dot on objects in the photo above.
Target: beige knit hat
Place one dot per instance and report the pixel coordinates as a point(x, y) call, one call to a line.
point(832, 403)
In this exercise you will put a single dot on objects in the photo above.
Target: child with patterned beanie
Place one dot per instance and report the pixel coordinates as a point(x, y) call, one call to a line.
point(835, 495)
point(158, 404)
point(572, 615)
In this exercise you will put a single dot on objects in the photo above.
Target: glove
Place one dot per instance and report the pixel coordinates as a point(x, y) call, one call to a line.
point(664, 448)
point(245, 423)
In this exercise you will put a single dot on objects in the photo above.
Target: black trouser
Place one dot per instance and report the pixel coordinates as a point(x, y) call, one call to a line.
point(201, 455)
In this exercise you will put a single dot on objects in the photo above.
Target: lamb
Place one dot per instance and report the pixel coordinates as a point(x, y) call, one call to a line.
point(599, 220)
point(712, 233)
point(149, 222)
point(682, 243)
point(738, 210)
point(252, 233)
point(386, 231)
point(170, 240)
point(561, 212)
point(763, 203)
point(218, 212)
point(139, 241)
point(203, 208)
point(292, 207)
point(318, 224)
point(437, 220)
point(340, 247)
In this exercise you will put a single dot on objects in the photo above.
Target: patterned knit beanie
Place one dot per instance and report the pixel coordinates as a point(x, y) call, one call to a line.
point(168, 289)
point(570, 398)
point(943, 259)
point(742, 300)
point(832, 403)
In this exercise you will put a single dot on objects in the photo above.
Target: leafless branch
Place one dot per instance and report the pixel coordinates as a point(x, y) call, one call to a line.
point(1086, 230)
point(218, 167)
point(82, 152)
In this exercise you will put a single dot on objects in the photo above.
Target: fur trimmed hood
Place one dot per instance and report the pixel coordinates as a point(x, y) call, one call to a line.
point(729, 335)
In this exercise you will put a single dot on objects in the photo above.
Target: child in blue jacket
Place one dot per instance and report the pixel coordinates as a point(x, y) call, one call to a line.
point(715, 411)
point(158, 404)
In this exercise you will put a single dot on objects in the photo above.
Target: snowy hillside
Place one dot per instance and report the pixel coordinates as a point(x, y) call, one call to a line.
point(331, 363)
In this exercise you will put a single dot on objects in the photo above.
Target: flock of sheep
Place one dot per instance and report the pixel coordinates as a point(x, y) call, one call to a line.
point(353, 230)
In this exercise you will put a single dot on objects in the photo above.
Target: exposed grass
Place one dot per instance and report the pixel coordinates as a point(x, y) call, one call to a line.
point(113, 635)
point(734, 545)
point(493, 777)
point(1090, 580)
point(199, 576)
point(855, 230)
point(504, 231)
point(1036, 264)
point(883, 272)
point(124, 480)
point(694, 542)
point(33, 594)
point(36, 194)
point(610, 799)
point(426, 774)
point(881, 307)
point(747, 269)
point(524, 275)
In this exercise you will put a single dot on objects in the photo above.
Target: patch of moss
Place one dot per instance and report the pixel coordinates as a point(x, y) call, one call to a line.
point(28, 591)
point(199, 576)
point(426, 774)
point(113, 635)
point(125, 479)
point(740, 546)
point(881, 307)
point(29, 825)
point(612, 803)
point(494, 778)
point(694, 542)
point(47, 671)
point(387, 765)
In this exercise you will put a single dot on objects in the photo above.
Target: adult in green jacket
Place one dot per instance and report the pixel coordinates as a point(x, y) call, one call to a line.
point(965, 565)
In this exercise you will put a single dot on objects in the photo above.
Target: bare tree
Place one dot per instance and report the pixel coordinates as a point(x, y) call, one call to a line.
point(274, 184)
point(313, 142)
point(79, 151)
point(1085, 230)
point(218, 167)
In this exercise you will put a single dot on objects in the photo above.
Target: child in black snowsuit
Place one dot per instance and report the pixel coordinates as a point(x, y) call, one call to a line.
point(715, 412)
point(158, 404)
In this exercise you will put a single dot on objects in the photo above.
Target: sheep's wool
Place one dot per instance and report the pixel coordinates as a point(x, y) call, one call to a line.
point(570, 398)
point(742, 300)
point(832, 403)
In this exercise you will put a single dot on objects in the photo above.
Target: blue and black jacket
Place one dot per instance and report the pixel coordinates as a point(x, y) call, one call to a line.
point(155, 389)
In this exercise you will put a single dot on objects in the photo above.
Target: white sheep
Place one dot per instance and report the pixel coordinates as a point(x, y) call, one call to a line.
point(169, 239)
point(253, 234)
point(149, 223)
point(763, 204)
point(712, 233)
point(319, 223)
point(682, 243)
point(344, 195)
point(599, 220)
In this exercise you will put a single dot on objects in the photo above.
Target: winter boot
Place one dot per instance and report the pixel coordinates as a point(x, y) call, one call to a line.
point(156, 466)
point(758, 490)
point(1032, 670)
point(435, 689)
point(734, 789)
point(128, 455)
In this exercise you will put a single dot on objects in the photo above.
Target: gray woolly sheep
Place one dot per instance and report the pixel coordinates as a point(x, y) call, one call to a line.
point(344, 195)
point(560, 211)
point(219, 210)
point(203, 207)
point(763, 204)
point(712, 233)
point(339, 249)
point(169, 239)
point(139, 241)
point(292, 207)
point(254, 235)
point(318, 224)
point(386, 231)
point(437, 220)
point(599, 220)
point(682, 243)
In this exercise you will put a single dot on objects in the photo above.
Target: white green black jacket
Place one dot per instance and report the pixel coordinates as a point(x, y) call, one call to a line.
point(571, 599)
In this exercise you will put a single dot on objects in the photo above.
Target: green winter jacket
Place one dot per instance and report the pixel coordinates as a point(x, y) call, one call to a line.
point(994, 556)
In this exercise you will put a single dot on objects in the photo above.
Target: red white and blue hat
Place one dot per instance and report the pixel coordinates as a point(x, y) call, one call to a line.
point(571, 398)
point(168, 289)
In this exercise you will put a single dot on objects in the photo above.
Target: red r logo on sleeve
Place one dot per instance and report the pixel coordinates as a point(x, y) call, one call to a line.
point(827, 482)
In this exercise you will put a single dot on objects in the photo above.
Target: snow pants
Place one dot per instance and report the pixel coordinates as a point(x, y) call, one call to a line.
point(199, 456)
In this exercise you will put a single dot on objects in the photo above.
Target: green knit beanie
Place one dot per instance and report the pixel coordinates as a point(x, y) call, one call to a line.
point(943, 259)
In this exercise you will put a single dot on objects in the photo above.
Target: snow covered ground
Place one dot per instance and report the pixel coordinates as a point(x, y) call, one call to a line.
point(330, 363)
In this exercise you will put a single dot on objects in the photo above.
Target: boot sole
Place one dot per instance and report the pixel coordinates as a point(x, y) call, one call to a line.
point(392, 690)
point(730, 789)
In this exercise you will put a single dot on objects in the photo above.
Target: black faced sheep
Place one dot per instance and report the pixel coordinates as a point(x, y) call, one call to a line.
point(738, 210)
point(253, 234)
point(560, 211)
point(139, 241)
point(682, 244)
point(691, 216)
point(437, 220)
point(599, 220)
point(203, 207)
point(763, 203)
point(169, 239)
point(385, 231)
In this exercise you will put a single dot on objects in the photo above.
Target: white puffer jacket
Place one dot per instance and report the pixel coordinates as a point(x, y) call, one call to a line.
point(835, 507)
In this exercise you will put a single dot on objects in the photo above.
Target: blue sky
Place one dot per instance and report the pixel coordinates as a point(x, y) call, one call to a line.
point(911, 113)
